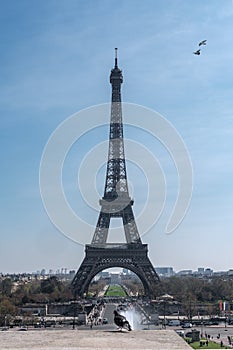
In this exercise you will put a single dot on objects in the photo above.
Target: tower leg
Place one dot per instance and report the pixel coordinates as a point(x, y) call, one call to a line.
point(129, 256)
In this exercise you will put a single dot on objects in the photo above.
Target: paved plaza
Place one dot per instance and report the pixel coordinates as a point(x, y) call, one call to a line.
point(91, 340)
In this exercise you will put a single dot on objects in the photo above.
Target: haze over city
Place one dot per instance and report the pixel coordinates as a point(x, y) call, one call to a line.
point(56, 60)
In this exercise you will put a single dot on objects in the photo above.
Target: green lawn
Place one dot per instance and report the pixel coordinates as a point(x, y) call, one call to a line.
point(211, 345)
point(115, 291)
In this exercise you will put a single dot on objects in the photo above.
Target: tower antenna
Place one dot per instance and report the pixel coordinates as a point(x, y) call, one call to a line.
point(116, 57)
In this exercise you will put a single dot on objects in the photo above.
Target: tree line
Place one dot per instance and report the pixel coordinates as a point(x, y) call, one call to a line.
point(188, 291)
point(206, 290)
point(13, 297)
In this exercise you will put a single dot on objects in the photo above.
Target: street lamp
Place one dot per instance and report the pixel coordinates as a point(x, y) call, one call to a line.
point(164, 314)
point(163, 299)
point(74, 315)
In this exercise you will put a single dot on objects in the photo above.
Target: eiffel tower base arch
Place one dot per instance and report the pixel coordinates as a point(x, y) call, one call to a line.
point(132, 256)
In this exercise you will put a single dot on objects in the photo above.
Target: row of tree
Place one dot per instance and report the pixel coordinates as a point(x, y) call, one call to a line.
point(183, 288)
point(202, 290)
point(186, 290)
point(54, 290)
point(12, 298)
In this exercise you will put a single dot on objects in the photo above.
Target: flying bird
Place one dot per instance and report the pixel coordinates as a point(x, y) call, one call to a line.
point(198, 52)
point(203, 42)
point(121, 321)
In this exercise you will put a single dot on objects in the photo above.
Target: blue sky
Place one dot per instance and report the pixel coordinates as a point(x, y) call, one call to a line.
point(55, 60)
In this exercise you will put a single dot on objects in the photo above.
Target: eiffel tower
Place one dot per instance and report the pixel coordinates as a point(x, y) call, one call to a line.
point(116, 203)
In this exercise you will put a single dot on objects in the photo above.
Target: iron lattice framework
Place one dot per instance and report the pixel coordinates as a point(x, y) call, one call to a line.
point(116, 203)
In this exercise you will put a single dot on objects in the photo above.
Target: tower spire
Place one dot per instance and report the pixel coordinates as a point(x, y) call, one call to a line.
point(116, 201)
point(116, 66)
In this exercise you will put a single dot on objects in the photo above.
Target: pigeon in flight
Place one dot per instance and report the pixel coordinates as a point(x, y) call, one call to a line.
point(121, 321)
point(203, 42)
point(198, 52)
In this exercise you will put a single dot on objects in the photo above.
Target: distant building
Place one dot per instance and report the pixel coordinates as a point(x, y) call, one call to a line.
point(185, 273)
point(208, 272)
point(103, 275)
point(165, 271)
point(72, 273)
point(220, 273)
point(115, 278)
